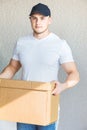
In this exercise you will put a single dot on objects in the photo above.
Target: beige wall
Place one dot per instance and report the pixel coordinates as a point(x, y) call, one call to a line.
point(70, 23)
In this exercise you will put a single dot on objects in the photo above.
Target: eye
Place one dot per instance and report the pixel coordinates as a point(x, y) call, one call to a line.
point(33, 18)
point(42, 18)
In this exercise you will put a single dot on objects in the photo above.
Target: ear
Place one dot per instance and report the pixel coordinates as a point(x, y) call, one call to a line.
point(50, 20)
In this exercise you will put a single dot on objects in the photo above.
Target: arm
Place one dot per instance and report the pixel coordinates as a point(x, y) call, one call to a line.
point(10, 69)
point(71, 80)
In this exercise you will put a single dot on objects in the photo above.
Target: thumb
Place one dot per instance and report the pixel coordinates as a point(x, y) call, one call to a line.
point(54, 92)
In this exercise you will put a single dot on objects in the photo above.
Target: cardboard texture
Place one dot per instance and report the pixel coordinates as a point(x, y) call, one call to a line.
point(28, 102)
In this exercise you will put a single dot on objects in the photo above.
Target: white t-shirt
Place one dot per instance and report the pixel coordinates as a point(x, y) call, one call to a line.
point(40, 59)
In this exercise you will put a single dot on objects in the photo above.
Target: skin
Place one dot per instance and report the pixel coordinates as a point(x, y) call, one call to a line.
point(40, 24)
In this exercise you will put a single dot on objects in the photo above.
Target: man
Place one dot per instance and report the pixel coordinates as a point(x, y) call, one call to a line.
point(40, 56)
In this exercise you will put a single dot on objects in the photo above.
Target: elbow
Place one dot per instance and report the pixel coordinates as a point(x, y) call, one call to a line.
point(78, 77)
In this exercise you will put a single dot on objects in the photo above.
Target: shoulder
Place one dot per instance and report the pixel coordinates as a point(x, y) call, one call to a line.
point(24, 39)
point(59, 41)
point(56, 37)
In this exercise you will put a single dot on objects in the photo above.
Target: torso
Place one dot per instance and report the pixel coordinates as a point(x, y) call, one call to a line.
point(40, 59)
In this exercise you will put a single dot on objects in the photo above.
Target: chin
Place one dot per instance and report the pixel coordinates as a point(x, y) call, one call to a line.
point(38, 32)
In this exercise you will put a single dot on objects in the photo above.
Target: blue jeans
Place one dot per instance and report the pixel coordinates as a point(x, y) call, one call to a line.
point(22, 126)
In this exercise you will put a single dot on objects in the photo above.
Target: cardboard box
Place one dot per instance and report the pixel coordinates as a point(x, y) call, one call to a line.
point(28, 102)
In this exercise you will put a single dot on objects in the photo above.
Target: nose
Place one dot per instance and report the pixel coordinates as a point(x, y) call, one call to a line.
point(38, 21)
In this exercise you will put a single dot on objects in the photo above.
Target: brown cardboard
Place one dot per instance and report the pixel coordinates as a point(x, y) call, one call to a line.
point(28, 102)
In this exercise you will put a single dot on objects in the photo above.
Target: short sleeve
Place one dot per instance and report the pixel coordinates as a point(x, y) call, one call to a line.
point(66, 53)
point(15, 52)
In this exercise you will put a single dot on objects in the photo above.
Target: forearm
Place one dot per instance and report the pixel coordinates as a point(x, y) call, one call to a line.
point(11, 69)
point(72, 75)
point(7, 73)
point(71, 80)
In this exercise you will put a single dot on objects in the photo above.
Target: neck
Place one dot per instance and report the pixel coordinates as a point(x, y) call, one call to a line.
point(41, 35)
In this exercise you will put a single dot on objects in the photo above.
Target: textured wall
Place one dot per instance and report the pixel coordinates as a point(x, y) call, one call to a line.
point(70, 23)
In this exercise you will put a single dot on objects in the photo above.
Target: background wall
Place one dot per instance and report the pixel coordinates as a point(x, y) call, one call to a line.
point(70, 23)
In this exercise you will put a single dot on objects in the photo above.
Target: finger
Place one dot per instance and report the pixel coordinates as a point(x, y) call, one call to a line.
point(54, 91)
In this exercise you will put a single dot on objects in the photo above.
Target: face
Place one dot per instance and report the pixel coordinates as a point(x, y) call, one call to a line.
point(40, 23)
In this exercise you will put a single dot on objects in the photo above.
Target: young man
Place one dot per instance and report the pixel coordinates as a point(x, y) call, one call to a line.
point(40, 56)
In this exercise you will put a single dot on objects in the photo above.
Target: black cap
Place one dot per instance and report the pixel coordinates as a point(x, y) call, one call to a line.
point(42, 9)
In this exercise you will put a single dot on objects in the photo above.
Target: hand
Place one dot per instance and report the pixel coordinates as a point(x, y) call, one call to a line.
point(59, 87)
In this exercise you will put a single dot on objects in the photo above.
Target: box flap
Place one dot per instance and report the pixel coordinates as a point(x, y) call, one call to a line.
point(21, 84)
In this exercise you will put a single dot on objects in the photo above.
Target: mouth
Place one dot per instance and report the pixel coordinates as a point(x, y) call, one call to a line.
point(38, 26)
